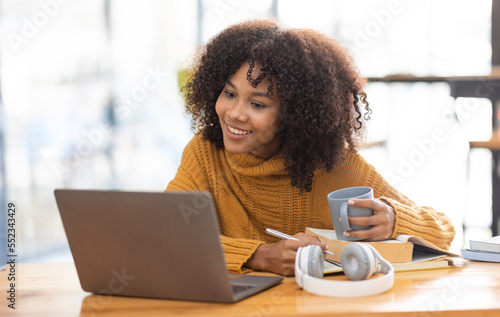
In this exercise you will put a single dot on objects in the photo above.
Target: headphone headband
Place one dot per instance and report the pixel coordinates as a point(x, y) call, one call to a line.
point(319, 286)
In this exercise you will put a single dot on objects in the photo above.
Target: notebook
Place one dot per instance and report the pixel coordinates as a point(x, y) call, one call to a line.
point(155, 245)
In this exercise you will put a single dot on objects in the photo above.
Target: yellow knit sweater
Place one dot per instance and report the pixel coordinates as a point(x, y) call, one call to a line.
point(252, 194)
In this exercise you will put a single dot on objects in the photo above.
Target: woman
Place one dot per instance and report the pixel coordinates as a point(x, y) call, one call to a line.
point(277, 116)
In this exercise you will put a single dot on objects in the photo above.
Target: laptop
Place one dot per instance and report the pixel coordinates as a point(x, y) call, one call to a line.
point(155, 245)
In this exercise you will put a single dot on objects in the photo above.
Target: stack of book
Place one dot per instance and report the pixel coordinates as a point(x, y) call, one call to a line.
point(406, 253)
point(483, 250)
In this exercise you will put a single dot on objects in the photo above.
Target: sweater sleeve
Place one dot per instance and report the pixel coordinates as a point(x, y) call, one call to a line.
point(238, 252)
point(411, 219)
point(421, 221)
point(190, 175)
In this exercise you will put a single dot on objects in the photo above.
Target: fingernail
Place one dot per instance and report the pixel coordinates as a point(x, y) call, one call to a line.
point(347, 234)
point(340, 219)
point(351, 202)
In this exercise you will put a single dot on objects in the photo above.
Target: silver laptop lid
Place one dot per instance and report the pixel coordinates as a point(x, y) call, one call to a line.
point(159, 245)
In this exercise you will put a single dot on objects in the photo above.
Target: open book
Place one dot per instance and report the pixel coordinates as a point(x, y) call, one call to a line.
point(405, 252)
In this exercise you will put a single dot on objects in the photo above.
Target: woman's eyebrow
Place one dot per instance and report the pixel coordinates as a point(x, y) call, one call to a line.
point(253, 93)
point(230, 84)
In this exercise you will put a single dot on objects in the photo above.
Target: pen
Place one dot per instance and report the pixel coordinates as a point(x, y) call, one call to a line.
point(285, 236)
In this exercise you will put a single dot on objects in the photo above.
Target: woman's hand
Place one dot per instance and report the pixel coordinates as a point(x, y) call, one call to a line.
point(382, 220)
point(279, 257)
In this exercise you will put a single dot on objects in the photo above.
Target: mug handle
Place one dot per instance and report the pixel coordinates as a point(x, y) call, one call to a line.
point(343, 216)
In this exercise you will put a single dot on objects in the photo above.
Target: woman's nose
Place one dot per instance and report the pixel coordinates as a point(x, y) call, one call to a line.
point(237, 111)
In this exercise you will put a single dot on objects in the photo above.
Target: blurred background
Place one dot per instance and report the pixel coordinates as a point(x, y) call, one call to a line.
point(90, 98)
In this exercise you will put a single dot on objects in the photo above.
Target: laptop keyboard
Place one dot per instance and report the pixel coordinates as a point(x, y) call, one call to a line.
point(241, 288)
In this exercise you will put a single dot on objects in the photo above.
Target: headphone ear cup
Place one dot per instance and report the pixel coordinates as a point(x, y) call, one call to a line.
point(314, 261)
point(358, 261)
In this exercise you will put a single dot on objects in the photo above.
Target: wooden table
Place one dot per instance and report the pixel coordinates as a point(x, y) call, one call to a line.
point(53, 289)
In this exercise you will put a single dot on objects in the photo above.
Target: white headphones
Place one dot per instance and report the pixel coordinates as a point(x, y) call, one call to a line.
point(359, 262)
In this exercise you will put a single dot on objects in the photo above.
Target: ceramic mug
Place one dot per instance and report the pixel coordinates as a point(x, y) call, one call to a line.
point(337, 202)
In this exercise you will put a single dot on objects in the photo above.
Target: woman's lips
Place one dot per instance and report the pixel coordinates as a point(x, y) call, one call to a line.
point(237, 133)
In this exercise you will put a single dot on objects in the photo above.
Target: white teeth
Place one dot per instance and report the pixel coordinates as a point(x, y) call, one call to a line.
point(239, 132)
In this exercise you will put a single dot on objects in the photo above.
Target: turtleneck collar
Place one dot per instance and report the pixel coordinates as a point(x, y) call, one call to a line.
point(249, 165)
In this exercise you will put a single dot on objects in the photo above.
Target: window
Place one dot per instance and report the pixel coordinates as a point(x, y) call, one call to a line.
point(90, 93)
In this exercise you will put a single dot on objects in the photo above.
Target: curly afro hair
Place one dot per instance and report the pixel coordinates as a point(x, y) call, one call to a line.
point(318, 85)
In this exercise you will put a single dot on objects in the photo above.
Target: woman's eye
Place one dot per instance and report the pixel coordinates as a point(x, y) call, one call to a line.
point(257, 105)
point(229, 94)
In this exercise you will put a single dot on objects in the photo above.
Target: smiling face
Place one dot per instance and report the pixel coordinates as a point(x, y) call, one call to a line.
point(249, 117)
